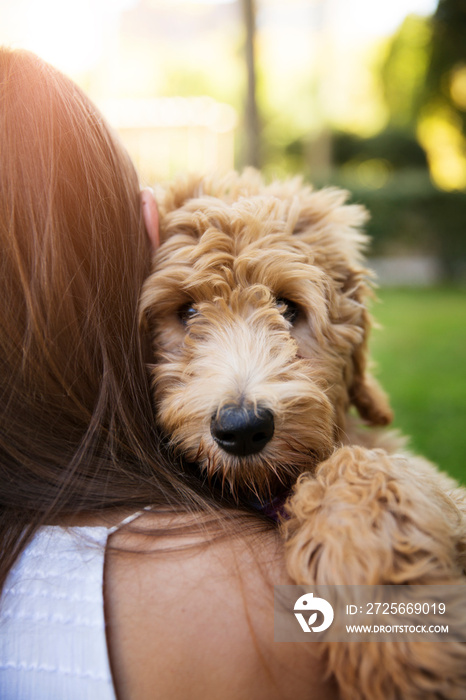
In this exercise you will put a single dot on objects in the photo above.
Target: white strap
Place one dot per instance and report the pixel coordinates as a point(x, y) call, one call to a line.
point(129, 519)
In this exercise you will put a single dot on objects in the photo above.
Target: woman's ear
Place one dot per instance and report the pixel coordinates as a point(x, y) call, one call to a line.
point(151, 217)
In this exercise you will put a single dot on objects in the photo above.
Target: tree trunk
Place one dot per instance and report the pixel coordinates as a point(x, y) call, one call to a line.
point(252, 145)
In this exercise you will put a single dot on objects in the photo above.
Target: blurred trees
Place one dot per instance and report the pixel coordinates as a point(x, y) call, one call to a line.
point(442, 123)
point(424, 89)
point(403, 73)
point(446, 76)
point(412, 175)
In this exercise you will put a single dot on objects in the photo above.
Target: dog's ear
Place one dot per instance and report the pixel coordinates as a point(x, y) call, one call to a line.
point(365, 393)
point(333, 229)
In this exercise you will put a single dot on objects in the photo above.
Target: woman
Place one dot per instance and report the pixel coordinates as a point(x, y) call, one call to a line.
point(177, 604)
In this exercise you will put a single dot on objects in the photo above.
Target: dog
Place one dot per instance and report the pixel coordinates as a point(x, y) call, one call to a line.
point(258, 310)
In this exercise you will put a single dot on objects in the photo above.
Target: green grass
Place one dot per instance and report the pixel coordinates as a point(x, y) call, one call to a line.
point(420, 355)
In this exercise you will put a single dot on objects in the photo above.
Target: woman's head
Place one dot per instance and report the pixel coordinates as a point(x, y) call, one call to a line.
point(73, 254)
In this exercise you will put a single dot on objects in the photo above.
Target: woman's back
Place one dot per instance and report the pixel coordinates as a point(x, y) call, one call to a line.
point(198, 623)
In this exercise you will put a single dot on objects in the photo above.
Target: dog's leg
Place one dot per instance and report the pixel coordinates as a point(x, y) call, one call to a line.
point(366, 517)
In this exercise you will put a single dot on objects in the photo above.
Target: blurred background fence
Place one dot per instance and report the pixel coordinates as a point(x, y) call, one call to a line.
point(369, 96)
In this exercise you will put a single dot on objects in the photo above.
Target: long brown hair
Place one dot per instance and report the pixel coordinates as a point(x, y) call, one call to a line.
point(76, 423)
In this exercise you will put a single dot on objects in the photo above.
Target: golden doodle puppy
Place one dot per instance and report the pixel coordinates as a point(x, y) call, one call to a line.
point(257, 305)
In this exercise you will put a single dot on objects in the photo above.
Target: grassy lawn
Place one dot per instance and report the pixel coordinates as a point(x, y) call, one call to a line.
point(420, 354)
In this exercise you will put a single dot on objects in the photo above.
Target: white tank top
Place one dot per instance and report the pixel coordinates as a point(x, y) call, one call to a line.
point(52, 627)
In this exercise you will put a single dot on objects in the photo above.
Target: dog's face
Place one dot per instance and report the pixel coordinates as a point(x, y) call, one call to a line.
point(256, 308)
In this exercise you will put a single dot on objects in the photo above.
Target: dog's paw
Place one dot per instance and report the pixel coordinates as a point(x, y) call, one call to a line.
point(367, 517)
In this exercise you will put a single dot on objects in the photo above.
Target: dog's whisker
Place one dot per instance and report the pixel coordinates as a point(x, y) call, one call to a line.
point(224, 479)
point(199, 451)
point(280, 477)
point(255, 491)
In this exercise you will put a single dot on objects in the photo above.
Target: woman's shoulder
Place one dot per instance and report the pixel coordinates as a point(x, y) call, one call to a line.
point(191, 615)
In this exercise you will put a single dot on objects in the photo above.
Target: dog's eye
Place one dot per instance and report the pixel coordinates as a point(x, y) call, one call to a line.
point(186, 312)
point(288, 309)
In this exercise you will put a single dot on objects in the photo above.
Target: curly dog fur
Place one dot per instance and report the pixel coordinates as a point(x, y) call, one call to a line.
point(258, 308)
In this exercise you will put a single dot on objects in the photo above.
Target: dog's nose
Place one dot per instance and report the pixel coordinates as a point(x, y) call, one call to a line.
point(242, 430)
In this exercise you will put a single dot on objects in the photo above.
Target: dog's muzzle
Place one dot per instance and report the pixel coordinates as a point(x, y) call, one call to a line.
point(242, 430)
